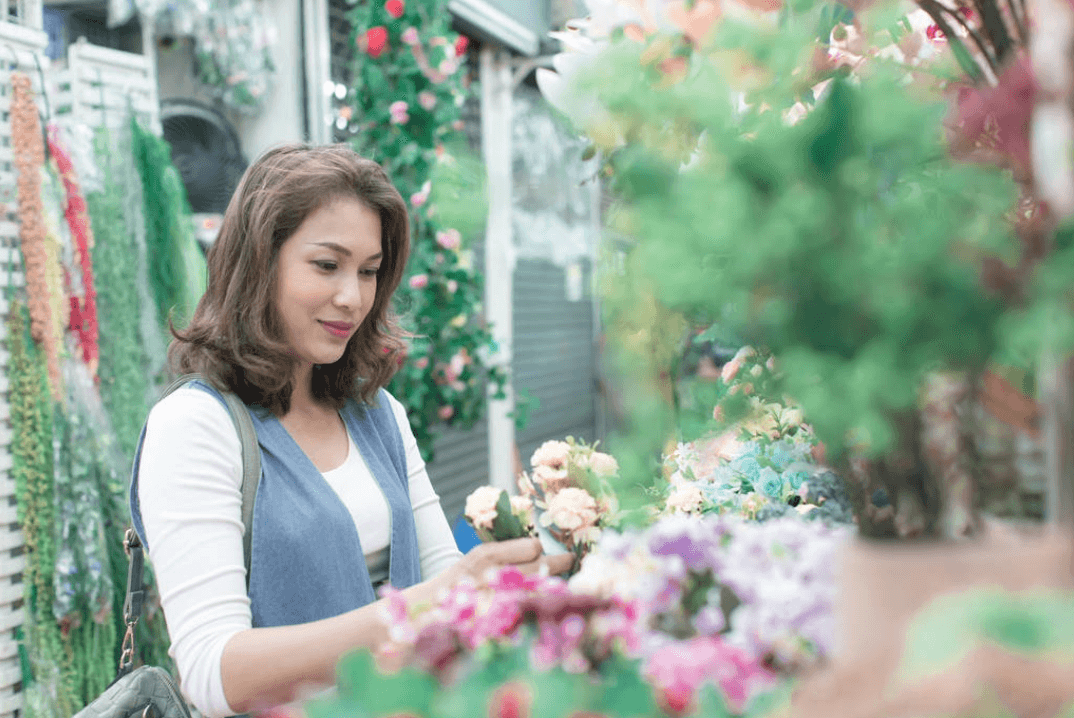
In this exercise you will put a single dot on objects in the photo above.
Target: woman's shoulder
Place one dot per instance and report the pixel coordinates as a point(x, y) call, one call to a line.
point(191, 409)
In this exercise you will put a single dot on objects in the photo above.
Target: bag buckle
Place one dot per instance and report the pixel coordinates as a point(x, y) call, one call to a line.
point(126, 657)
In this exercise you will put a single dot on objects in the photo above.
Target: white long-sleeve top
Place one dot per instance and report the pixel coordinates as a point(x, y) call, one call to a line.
point(190, 479)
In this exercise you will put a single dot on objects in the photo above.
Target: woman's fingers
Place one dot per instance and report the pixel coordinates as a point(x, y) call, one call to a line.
point(560, 563)
point(520, 550)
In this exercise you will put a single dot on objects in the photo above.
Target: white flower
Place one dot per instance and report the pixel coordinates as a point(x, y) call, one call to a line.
point(481, 506)
point(603, 464)
point(571, 509)
point(686, 498)
point(522, 507)
point(551, 453)
point(551, 480)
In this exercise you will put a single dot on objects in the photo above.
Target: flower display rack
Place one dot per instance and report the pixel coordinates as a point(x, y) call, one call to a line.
point(99, 85)
point(22, 49)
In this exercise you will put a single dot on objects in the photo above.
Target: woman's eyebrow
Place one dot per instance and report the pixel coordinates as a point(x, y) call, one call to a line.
point(346, 252)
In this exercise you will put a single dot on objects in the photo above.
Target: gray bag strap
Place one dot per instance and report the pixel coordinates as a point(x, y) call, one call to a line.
point(251, 458)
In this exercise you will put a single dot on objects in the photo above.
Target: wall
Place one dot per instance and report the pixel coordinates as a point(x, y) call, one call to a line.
point(281, 118)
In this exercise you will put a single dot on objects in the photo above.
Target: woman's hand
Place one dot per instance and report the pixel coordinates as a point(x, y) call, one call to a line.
point(525, 554)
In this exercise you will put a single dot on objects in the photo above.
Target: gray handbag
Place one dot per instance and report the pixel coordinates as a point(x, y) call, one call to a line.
point(149, 691)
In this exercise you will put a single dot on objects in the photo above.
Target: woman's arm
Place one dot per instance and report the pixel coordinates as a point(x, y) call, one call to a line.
point(189, 486)
point(265, 667)
point(437, 549)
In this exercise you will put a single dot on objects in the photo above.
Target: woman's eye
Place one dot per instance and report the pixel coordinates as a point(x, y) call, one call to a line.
point(371, 271)
point(326, 265)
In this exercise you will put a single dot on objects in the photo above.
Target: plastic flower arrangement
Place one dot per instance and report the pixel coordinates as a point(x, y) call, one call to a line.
point(545, 628)
point(495, 516)
point(766, 588)
point(869, 244)
point(570, 485)
point(404, 110)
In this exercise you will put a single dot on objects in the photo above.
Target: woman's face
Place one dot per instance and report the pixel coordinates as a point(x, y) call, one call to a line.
point(327, 279)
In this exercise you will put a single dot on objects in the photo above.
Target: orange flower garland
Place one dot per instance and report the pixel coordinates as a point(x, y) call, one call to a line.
point(54, 246)
point(84, 311)
point(28, 149)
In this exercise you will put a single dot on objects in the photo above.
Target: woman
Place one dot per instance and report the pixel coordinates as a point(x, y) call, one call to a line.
point(296, 321)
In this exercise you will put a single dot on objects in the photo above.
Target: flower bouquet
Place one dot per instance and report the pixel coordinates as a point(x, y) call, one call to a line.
point(570, 486)
point(495, 516)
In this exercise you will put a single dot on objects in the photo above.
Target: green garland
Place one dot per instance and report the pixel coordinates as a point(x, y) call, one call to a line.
point(49, 690)
point(404, 111)
point(124, 381)
point(177, 270)
point(123, 365)
point(84, 589)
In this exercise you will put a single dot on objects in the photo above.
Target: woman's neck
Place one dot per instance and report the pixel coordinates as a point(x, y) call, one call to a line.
point(302, 399)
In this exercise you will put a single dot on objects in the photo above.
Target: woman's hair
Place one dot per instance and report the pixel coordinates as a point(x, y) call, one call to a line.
point(235, 337)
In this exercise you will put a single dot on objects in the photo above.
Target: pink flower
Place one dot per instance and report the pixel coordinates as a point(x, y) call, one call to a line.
point(551, 453)
point(419, 281)
point(452, 286)
point(934, 33)
point(603, 464)
point(420, 197)
point(449, 239)
point(395, 8)
point(686, 498)
point(522, 507)
point(445, 412)
point(550, 480)
point(460, 45)
point(427, 100)
point(398, 112)
point(481, 506)
point(422, 362)
point(571, 509)
point(410, 36)
point(374, 41)
point(448, 66)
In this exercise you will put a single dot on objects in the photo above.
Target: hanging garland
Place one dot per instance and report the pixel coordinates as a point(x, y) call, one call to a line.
point(84, 310)
point(83, 582)
point(177, 271)
point(123, 370)
point(48, 688)
point(122, 373)
point(405, 106)
point(56, 241)
point(28, 151)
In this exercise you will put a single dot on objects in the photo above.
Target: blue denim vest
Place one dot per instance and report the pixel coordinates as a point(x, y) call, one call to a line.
point(307, 561)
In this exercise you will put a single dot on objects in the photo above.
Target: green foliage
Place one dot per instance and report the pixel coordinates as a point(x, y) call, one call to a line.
point(123, 365)
point(51, 690)
point(847, 243)
point(445, 377)
point(177, 270)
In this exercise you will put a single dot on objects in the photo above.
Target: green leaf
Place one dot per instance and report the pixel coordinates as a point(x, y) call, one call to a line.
point(506, 525)
point(624, 692)
point(363, 686)
point(557, 694)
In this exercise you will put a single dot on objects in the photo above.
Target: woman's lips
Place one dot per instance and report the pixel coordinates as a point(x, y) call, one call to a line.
point(339, 329)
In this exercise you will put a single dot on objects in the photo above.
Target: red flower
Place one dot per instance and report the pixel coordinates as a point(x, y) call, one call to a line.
point(374, 42)
point(395, 8)
point(933, 32)
point(461, 44)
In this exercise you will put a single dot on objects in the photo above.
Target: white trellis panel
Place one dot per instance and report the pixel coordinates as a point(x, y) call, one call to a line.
point(21, 49)
point(101, 86)
point(27, 13)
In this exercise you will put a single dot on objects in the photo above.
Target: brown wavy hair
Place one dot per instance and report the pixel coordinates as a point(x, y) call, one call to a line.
point(235, 337)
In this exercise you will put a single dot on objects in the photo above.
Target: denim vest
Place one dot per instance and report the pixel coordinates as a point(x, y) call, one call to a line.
point(307, 561)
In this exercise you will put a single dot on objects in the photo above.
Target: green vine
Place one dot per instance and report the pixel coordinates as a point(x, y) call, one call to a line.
point(123, 362)
point(404, 111)
point(50, 690)
point(84, 589)
point(177, 270)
